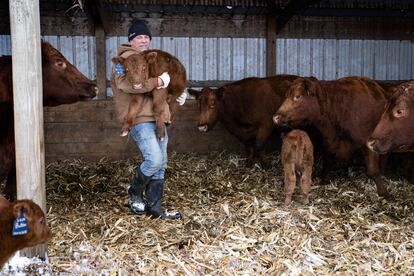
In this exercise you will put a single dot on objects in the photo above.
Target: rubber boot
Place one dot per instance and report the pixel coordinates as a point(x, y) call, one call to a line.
point(136, 190)
point(155, 191)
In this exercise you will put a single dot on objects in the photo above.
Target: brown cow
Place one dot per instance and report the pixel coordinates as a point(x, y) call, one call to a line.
point(245, 108)
point(395, 130)
point(345, 111)
point(62, 84)
point(297, 160)
point(37, 230)
point(149, 64)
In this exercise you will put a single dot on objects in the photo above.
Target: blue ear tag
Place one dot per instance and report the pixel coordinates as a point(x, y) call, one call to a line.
point(119, 69)
point(20, 225)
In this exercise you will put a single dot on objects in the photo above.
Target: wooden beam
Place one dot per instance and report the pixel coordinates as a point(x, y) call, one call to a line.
point(28, 105)
point(270, 45)
point(291, 10)
point(100, 62)
point(101, 22)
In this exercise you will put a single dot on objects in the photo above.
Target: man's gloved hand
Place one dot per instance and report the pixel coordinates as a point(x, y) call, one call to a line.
point(181, 99)
point(165, 79)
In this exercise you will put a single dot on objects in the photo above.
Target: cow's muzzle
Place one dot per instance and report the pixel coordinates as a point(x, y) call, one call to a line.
point(280, 120)
point(203, 128)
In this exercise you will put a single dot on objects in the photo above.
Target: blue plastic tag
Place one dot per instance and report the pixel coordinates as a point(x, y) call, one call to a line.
point(119, 69)
point(20, 225)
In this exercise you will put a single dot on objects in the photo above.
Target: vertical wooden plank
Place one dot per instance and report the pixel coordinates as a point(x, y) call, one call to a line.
point(280, 56)
point(169, 45)
point(261, 49)
point(330, 59)
point(405, 60)
point(270, 45)
point(211, 59)
point(182, 51)
point(368, 54)
point(393, 52)
point(197, 59)
point(380, 72)
point(305, 57)
point(238, 58)
point(100, 61)
point(344, 58)
point(224, 58)
point(318, 57)
point(292, 56)
point(356, 64)
point(28, 105)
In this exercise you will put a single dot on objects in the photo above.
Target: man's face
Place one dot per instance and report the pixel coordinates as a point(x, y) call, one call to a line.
point(140, 42)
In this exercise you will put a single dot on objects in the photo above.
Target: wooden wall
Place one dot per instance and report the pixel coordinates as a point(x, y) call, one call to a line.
point(90, 131)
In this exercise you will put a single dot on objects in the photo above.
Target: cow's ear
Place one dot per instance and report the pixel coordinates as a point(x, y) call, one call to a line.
point(22, 206)
point(151, 57)
point(193, 92)
point(3, 202)
point(310, 85)
point(118, 59)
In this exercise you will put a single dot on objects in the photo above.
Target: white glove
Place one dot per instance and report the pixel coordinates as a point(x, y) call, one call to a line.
point(165, 77)
point(182, 98)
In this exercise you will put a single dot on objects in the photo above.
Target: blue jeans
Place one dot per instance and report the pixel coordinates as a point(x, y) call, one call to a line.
point(153, 150)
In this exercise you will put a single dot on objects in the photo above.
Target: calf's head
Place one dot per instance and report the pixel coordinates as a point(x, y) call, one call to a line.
point(38, 231)
point(300, 106)
point(209, 101)
point(395, 130)
point(137, 67)
point(62, 82)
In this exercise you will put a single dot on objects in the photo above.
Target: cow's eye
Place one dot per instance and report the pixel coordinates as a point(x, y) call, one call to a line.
point(211, 106)
point(297, 97)
point(60, 63)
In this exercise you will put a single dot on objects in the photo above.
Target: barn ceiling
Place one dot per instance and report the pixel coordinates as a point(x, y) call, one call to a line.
point(248, 7)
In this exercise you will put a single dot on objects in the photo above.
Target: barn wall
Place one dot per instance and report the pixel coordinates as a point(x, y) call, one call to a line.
point(90, 131)
point(237, 58)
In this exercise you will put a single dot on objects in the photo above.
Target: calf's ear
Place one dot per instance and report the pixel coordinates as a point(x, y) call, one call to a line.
point(18, 207)
point(193, 92)
point(118, 59)
point(151, 57)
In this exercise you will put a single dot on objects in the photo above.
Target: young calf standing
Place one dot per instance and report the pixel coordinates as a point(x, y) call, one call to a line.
point(22, 224)
point(297, 160)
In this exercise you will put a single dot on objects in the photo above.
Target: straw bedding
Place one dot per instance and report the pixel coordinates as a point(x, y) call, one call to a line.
point(234, 222)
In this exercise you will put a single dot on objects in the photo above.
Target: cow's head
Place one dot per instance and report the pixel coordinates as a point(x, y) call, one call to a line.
point(137, 67)
point(38, 230)
point(300, 106)
point(62, 82)
point(209, 101)
point(395, 130)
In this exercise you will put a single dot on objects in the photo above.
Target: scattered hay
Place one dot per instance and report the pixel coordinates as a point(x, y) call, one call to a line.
point(234, 222)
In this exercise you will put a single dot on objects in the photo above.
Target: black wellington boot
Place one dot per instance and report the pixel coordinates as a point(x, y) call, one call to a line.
point(135, 191)
point(155, 191)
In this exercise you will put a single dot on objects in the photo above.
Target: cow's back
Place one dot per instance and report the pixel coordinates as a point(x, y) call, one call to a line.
point(166, 62)
point(250, 100)
point(353, 106)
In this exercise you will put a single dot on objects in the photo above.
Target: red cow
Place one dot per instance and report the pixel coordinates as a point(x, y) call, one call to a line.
point(37, 230)
point(395, 131)
point(245, 108)
point(62, 84)
point(345, 112)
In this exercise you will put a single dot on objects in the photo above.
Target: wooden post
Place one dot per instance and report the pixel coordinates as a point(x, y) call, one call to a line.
point(100, 62)
point(28, 105)
point(270, 45)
